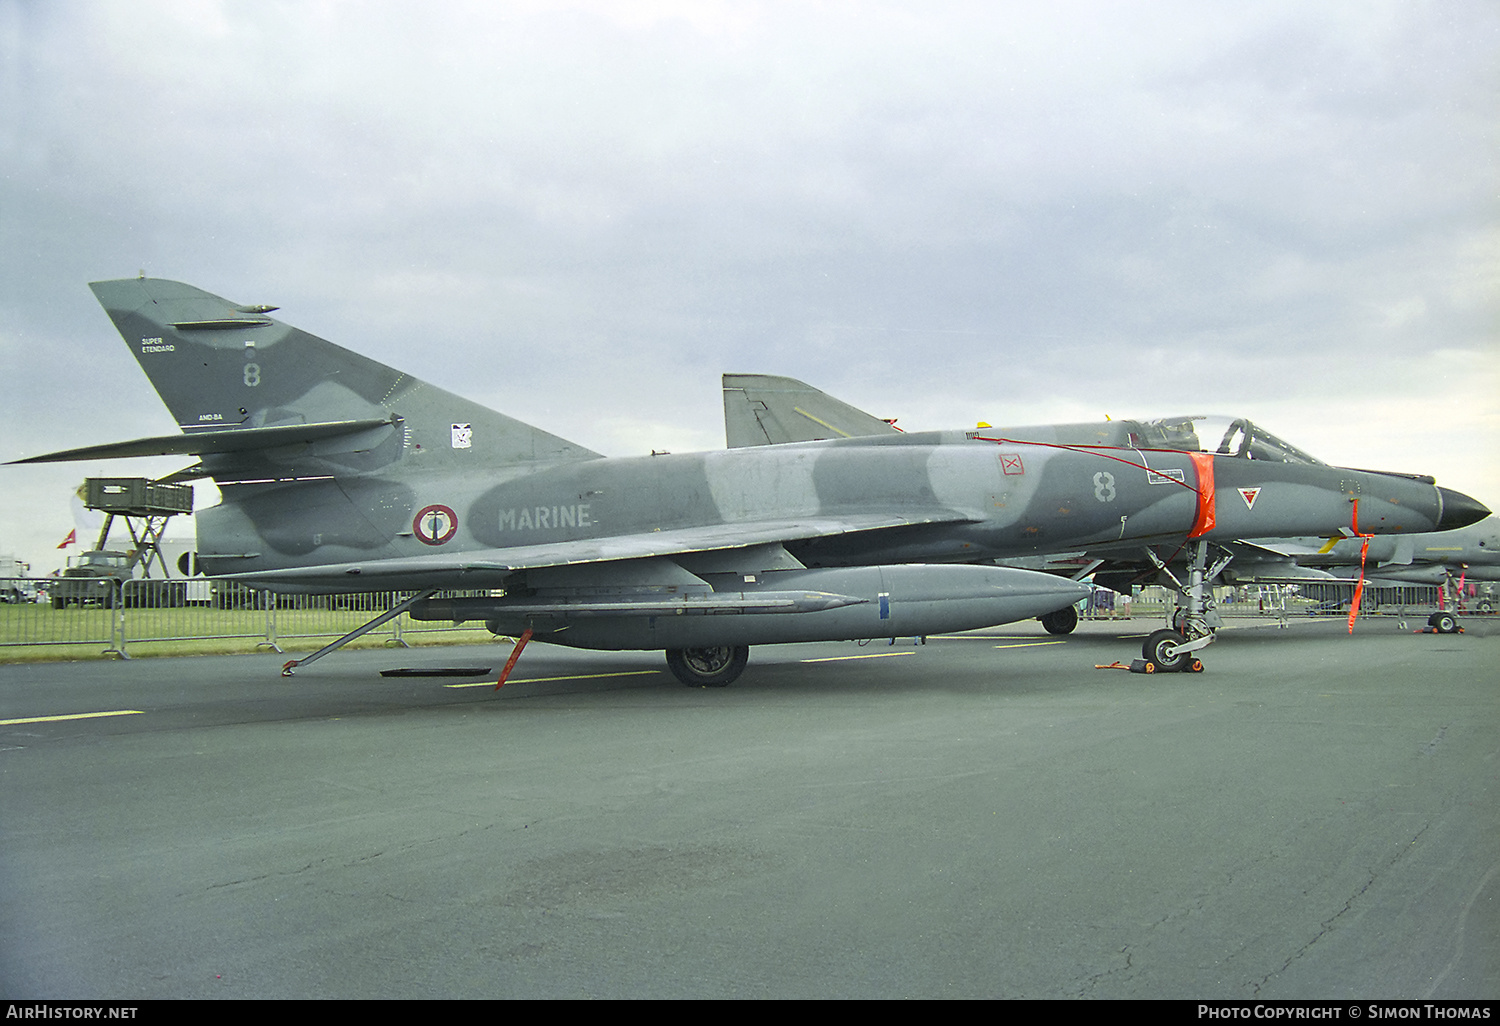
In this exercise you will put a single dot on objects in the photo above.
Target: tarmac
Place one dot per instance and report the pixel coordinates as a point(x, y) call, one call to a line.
point(986, 815)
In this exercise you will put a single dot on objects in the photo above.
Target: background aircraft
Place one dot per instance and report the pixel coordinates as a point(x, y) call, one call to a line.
point(1473, 552)
point(1452, 561)
point(340, 474)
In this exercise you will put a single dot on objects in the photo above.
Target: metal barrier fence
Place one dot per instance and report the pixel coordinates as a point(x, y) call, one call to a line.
point(1281, 602)
point(26, 617)
point(194, 615)
point(198, 615)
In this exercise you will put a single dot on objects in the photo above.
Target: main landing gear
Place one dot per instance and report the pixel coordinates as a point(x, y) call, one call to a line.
point(708, 667)
point(1062, 621)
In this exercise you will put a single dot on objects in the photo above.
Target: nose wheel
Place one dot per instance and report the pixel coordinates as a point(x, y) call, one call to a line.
point(1173, 650)
point(1443, 623)
point(1170, 652)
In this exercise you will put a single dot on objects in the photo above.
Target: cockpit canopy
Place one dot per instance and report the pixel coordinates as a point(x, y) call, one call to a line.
point(1224, 436)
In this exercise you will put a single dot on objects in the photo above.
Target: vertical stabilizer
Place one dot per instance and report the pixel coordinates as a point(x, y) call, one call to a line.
point(763, 409)
point(222, 367)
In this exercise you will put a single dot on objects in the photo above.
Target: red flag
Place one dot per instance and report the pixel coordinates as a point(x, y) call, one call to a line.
point(71, 539)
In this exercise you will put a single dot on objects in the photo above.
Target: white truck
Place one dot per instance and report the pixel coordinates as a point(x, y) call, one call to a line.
point(15, 584)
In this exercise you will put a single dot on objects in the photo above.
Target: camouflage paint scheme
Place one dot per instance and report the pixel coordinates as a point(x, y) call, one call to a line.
point(341, 474)
point(1254, 499)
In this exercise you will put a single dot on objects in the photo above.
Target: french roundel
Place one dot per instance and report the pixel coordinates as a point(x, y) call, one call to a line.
point(435, 525)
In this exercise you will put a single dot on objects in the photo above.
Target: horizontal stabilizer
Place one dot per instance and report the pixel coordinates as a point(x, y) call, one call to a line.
point(222, 441)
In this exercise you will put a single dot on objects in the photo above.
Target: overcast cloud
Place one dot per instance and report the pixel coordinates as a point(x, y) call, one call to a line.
point(583, 213)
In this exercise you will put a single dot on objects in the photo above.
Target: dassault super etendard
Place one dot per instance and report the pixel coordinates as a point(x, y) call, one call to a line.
point(340, 474)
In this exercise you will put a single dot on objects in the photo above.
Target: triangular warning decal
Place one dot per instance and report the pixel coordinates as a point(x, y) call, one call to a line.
point(1249, 495)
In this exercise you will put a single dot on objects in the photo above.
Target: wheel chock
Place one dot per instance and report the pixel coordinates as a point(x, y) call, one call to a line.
point(1135, 666)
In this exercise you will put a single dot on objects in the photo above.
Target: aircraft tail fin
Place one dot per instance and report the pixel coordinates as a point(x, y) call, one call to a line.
point(764, 409)
point(268, 399)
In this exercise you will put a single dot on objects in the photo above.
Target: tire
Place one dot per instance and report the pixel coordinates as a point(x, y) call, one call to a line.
point(59, 603)
point(1155, 651)
point(1062, 621)
point(708, 667)
point(1444, 623)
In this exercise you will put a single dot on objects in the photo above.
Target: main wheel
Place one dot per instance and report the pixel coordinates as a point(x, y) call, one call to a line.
point(1155, 651)
point(707, 667)
point(1062, 621)
point(1445, 623)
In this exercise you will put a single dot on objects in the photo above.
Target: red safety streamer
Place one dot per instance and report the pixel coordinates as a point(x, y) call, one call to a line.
point(1364, 550)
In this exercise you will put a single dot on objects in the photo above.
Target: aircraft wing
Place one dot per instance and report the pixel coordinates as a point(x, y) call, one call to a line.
point(489, 568)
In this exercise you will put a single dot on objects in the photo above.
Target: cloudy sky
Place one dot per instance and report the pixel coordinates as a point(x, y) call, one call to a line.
point(582, 213)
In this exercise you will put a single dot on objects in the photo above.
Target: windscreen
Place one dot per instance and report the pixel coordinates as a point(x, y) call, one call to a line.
point(1225, 436)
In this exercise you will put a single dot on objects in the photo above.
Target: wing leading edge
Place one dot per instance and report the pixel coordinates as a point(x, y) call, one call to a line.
point(488, 568)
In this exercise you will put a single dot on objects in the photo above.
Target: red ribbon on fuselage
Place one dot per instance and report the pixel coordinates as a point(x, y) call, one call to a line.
point(1204, 463)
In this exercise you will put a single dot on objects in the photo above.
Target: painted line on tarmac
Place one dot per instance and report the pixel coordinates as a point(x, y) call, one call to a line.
point(571, 676)
point(867, 655)
point(979, 637)
point(1032, 644)
point(72, 716)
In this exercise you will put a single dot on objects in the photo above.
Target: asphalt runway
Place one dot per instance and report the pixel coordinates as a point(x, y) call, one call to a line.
point(1314, 816)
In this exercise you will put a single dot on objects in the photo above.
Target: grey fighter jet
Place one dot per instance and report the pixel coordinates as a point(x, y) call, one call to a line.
point(764, 409)
point(1473, 552)
point(1448, 560)
point(340, 474)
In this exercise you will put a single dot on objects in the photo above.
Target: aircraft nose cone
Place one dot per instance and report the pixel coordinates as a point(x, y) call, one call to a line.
point(1459, 510)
